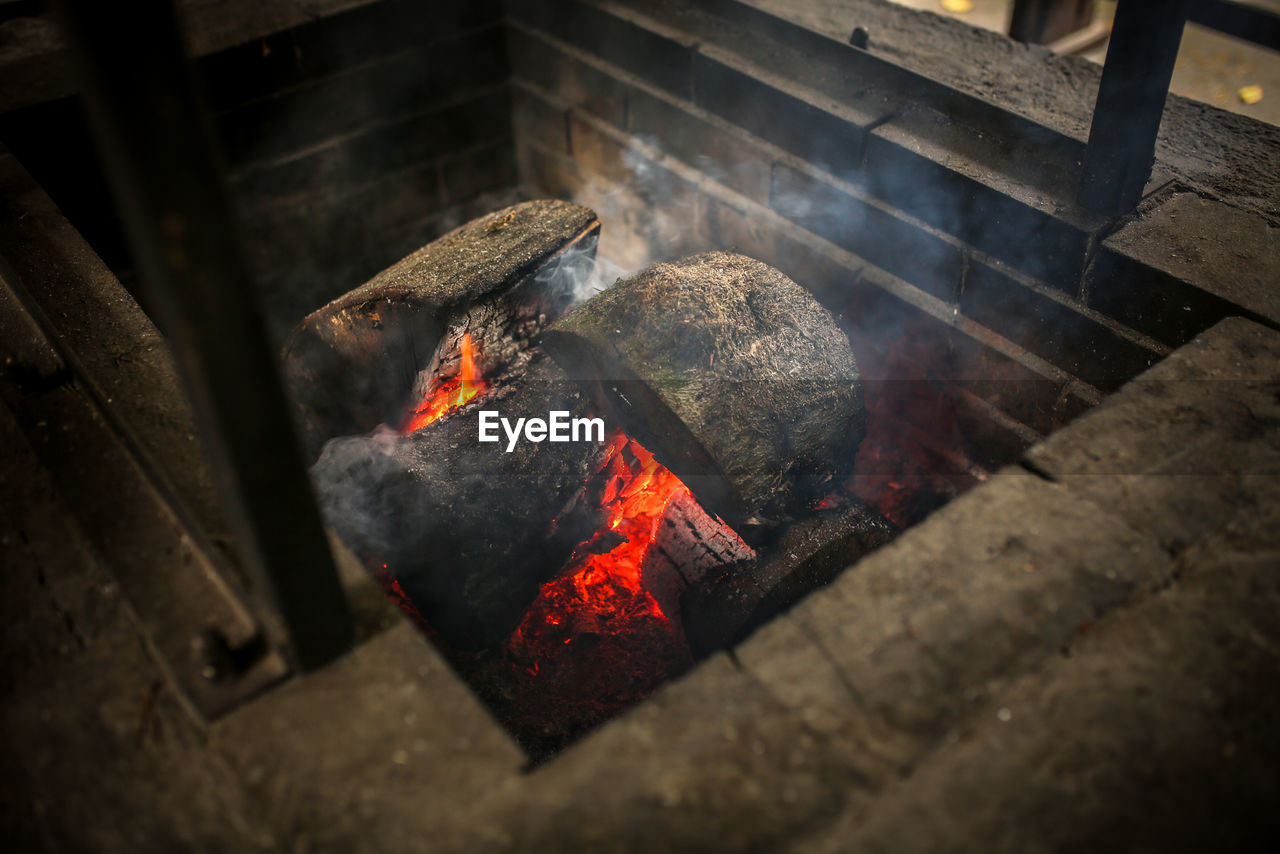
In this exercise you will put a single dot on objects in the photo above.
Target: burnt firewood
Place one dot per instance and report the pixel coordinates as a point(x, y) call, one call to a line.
point(690, 544)
point(352, 364)
point(734, 375)
point(729, 602)
point(468, 530)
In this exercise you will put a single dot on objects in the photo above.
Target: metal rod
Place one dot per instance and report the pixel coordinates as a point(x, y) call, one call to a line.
point(1126, 118)
point(167, 184)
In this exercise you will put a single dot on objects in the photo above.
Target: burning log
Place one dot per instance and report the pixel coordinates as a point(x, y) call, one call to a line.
point(733, 374)
point(468, 530)
point(538, 546)
point(350, 365)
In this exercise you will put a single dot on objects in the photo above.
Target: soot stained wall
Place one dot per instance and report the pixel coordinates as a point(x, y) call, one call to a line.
point(942, 226)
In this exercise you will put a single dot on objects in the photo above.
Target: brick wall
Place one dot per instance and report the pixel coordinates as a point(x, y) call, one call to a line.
point(939, 226)
point(356, 138)
point(708, 149)
point(942, 228)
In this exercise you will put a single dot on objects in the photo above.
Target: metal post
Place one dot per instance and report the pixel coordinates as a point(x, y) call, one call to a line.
point(168, 189)
point(1126, 118)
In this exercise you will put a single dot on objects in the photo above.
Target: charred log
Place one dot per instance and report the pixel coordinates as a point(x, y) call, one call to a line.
point(725, 606)
point(690, 545)
point(733, 374)
point(469, 530)
point(351, 365)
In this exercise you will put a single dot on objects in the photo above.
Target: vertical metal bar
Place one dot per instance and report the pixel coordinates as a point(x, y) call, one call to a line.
point(1126, 118)
point(167, 184)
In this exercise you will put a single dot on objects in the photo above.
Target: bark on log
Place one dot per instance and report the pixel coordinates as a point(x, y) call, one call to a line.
point(734, 375)
point(469, 530)
point(350, 365)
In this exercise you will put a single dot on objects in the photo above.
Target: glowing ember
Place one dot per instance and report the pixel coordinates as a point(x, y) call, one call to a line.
point(600, 592)
point(392, 590)
point(451, 393)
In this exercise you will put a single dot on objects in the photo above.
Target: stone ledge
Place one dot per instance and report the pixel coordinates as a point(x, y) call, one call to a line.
point(371, 751)
point(985, 589)
point(1156, 732)
point(1176, 269)
point(118, 345)
point(1186, 446)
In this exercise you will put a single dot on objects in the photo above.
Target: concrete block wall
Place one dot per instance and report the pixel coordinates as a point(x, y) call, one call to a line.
point(939, 226)
point(355, 138)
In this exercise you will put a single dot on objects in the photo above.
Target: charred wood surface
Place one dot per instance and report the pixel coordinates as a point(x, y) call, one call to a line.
point(733, 374)
point(351, 365)
point(468, 529)
point(725, 605)
point(690, 544)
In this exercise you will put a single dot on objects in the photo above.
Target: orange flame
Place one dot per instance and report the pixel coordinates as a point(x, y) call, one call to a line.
point(451, 393)
point(635, 498)
point(601, 589)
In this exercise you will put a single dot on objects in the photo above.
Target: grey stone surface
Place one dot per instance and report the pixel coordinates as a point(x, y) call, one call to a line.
point(1185, 446)
point(1152, 731)
point(385, 749)
point(1228, 252)
point(991, 584)
point(114, 340)
point(1184, 263)
point(710, 763)
point(96, 752)
point(1230, 156)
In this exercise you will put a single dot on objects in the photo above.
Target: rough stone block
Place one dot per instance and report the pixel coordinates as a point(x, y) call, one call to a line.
point(1174, 271)
point(356, 745)
point(988, 587)
point(711, 762)
point(1156, 732)
point(1188, 445)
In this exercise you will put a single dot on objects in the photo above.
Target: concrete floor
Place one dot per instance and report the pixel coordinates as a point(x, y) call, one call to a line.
point(1211, 67)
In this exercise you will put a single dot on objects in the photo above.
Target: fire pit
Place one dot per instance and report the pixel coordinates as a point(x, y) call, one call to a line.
point(1013, 670)
point(658, 423)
